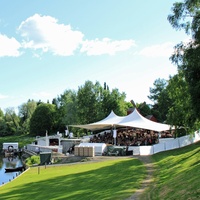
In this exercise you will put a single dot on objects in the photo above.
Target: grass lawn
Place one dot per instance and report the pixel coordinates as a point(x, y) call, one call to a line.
point(177, 175)
point(111, 179)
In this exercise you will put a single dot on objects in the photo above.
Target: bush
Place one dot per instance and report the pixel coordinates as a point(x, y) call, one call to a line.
point(33, 160)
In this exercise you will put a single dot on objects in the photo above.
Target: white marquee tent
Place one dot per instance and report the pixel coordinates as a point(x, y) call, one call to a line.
point(135, 119)
point(111, 120)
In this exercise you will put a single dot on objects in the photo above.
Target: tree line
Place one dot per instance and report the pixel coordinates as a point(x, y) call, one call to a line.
point(179, 97)
point(174, 101)
point(90, 103)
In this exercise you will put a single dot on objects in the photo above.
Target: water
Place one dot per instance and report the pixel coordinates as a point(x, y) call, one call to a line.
point(9, 162)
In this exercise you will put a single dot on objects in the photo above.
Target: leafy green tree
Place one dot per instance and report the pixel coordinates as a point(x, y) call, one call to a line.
point(159, 86)
point(12, 122)
point(105, 102)
point(26, 111)
point(56, 102)
point(1, 113)
point(113, 100)
point(90, 103)
point(66, 109)
point(95, 102)
point(159, 96)
point(87, 103)
point(180, 112)
point(98, 90)
point(144, 109)
point(118, 103)
point(186, 15)
point(43, 119)
point(3, 127)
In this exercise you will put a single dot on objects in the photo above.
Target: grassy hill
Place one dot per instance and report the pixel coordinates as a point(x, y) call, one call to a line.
point(110, 179)
point(177, 174)
point(176, 177)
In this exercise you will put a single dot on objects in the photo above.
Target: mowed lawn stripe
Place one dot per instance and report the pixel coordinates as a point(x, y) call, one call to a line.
point(112, 179)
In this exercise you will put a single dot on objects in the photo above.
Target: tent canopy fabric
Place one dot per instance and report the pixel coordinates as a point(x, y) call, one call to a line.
point(134, 119)
point(111, 120)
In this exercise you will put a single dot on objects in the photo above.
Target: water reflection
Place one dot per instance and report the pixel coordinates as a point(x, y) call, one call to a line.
point(6, 162)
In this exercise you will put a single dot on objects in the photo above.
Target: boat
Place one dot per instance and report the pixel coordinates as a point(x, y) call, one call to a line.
point(10, 148)
point(15, 169)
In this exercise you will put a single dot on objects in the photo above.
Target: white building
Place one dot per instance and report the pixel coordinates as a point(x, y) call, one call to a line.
point(46, 144)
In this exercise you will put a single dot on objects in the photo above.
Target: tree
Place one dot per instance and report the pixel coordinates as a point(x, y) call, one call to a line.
point(26, 111)
point(12, 122)
point(1, 113)
point(118, 103)
point(180, 112)
point(86, 103)
point(159, 86)
point(159, 96)
point(66, 109)
point(3, 128)
point(95, 102)
point(186, 15)
point(43, 119)
point(106, 102)
point(144, 109)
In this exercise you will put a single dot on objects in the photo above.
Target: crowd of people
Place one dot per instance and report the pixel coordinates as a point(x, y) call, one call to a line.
point(130, 137)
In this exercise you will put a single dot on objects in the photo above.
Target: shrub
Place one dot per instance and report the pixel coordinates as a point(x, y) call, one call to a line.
point(33, 160)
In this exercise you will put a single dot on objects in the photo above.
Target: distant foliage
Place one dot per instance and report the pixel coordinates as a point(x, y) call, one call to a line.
point(26, 111)
point(43, 119)
point(177, 100)
point(160, 97)
point(90, 103)
point(186, 16)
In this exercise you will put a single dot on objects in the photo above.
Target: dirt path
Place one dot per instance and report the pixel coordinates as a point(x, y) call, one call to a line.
point(147, 161)
point(149, 178)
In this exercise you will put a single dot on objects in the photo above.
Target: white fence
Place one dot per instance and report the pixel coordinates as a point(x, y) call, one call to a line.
point(166, 145)
point(163, 145)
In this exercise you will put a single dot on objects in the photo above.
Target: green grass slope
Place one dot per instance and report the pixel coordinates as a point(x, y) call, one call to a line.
point(177, 174)
point(112, 179)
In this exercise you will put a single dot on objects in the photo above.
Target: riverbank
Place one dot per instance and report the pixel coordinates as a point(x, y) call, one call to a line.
point(80, 180)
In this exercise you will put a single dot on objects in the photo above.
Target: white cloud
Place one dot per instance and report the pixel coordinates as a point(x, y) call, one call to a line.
point(159, 50)
point(9, 46)
point(3, 96)
point(106, 46)
point(44, 32)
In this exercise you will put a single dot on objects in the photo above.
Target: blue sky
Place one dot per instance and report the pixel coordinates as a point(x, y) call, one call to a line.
point(47, 47)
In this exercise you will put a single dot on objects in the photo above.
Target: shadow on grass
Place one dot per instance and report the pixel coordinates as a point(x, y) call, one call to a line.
point(172, 161)
point(116, 181)
point(177, 174)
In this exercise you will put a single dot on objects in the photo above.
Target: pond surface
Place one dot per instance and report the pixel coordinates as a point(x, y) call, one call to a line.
point(9, 162)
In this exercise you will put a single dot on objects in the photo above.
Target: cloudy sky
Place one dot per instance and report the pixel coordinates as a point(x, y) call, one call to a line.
point(47, 47)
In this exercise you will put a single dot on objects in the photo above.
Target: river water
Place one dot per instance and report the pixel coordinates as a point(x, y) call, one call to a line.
point(9, 162)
